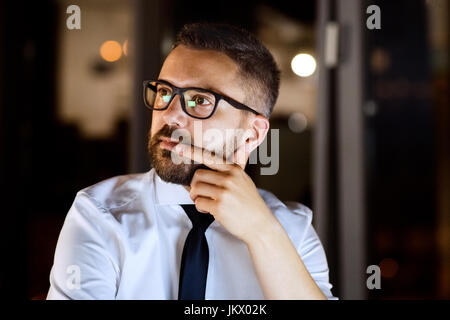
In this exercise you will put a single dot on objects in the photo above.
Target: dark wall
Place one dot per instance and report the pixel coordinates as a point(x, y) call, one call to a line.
point(400, 151)
point(27, 84)
point(43, 161)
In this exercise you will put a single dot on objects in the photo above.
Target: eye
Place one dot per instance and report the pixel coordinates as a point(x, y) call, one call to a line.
point(201, 101)
point(163, 92)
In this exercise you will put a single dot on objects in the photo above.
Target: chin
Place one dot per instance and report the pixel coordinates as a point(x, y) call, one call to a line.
point(174, 173)
point(177, 176)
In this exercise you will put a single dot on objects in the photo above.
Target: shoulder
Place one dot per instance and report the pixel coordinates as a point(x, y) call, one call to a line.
point(295, 217)
point(99, 211)
point(116, 191)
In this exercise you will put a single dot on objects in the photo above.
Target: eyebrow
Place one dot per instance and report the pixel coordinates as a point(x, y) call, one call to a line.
point(205, 88)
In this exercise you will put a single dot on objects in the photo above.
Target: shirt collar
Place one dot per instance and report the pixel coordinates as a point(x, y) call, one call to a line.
point(167, 193)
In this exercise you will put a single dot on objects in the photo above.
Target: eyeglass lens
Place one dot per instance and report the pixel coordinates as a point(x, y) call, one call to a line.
point(198, 103)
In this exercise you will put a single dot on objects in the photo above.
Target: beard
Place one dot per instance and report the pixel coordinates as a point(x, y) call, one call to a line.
point(161, 161)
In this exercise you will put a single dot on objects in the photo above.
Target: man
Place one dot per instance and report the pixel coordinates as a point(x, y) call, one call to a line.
point(196, 228)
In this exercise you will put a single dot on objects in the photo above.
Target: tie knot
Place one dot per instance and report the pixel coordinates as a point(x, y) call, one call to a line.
point(199, 219)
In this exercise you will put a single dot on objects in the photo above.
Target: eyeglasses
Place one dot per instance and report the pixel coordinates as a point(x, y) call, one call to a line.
point(198, 103)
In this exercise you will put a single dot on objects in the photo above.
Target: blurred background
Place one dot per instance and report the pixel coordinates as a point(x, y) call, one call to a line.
point(363, 116)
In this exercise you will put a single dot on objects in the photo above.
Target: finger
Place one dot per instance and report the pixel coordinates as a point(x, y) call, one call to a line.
point(205, 205)
point(203, 189)
point(203, 156)
point(209, 176)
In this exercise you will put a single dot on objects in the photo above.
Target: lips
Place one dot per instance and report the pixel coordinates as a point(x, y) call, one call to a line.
point(167, 143)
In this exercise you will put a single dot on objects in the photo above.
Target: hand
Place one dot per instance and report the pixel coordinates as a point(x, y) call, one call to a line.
point(229, 194)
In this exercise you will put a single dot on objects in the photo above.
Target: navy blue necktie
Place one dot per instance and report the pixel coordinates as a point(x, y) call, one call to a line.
point(194, 260)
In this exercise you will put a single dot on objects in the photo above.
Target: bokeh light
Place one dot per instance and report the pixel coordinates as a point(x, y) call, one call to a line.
point(303, 65)
point(389, 268)
point(297, 122)
point(125, 48)
point(111, 51)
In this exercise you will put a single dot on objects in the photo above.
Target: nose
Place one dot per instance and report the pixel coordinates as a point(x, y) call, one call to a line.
point(174, 114)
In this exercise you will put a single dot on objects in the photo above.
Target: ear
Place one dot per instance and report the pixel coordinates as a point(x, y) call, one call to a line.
point(260, 125)
point(254, 135)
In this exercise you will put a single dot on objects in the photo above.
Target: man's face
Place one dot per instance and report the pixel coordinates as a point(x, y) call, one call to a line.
point(212, 70)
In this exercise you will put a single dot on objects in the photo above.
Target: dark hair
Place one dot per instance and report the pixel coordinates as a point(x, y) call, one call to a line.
point(256, 64)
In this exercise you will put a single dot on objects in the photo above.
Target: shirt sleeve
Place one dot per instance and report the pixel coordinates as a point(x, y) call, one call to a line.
point(313, 256)
point(311, 251)
point(84, 266)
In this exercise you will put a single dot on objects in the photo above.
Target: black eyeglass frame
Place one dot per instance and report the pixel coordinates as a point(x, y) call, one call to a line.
point(180, 91)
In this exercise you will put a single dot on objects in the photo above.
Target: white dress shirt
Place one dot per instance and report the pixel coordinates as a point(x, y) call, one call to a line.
point(123, 239)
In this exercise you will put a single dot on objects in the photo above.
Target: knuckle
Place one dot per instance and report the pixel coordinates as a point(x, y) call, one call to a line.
point(221, 194)
point(199, 173)
point(228, 181)
point(193, 191)
point(236, 170)
point(198, 204)
point(194, 179)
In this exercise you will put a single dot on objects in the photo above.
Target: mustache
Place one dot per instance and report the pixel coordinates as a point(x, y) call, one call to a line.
point(166, 132)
